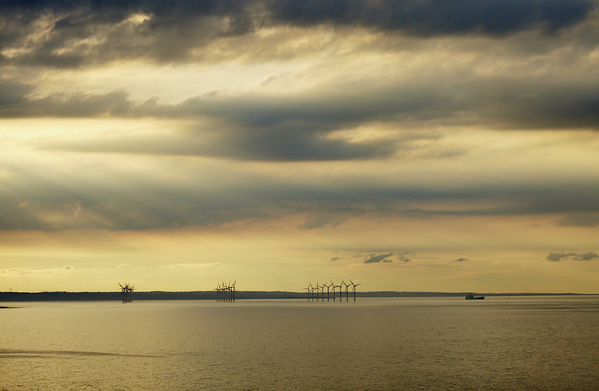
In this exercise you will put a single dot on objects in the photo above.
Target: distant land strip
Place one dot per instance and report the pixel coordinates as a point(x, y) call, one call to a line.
point(239, 295)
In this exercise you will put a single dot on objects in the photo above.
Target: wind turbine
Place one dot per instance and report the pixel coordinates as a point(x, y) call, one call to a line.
point(328, 292)
point(309, 289)
point(324, 286)
point(126, 291)
point(354, 288)
point(317, 291)
point(346, 291)
point(233, 290)
point(333, 286)
point(341, 290)
point(220, 288)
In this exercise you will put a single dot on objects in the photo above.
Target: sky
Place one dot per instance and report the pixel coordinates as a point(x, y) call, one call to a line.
point(407, 145)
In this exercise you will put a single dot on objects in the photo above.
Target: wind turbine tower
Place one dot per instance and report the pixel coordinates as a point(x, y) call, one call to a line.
point(341, 290)
point(333, 286)
point(354, 288)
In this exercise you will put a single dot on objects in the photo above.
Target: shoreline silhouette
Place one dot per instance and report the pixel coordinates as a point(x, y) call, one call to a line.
point(212, 295)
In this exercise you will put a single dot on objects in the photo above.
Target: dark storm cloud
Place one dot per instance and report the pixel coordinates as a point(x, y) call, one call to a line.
point(131, 202)
point(175, 27)
point(433, 17)
point(293, 129)
point(250, 127)
point(172, 29)
point(287, 127)
point(122, 200)
point(378, 258)
point(505, 102)
point(576, 199)
point(114, 11)
point(460, 260)
point(426, 17)
point(13, 94)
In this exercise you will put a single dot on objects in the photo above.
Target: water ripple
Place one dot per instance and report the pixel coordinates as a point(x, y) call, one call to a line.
point(8, 353)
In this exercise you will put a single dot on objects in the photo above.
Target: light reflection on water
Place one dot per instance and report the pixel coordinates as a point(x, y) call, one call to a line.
point(522, 343)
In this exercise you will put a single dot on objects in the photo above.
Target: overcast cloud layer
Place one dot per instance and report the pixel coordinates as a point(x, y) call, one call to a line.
point(382, 118)
point(167, 30)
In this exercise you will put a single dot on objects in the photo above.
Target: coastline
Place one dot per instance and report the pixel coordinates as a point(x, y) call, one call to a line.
point(6, 297)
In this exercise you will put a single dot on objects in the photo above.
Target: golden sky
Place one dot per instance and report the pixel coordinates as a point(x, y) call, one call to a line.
point(407, 145)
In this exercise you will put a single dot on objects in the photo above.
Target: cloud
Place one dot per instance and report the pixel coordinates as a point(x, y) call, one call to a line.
point(370, 110)
point(460, 260)
point(403, 256)
point(16, 103)
point(13, 93)
point(72, 34)
point(586, 257)
point(555, 257)
point(377, 258)
point(580, 219)
point(322, 220)
point(194, 266)
point(259, 126)
point(285, 125)
point(142, 192)
point(335, 259)
point(78, 33)
point(426, 18)
point(37, 272)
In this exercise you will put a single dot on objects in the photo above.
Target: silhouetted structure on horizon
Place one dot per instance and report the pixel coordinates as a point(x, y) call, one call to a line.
point(226, 292)
point(8, 296)
point(354, 288)
point(333, 286)
point(319, 290)
point(126, 292)
point(310, 290)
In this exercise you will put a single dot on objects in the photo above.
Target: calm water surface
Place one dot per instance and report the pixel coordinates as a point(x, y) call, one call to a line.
point(547, 343)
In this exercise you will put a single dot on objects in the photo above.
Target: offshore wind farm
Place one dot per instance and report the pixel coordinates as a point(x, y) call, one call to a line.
point(250, 295)
point(223, 338)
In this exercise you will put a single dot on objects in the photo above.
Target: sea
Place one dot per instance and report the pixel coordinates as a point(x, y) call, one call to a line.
point(500, 343)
